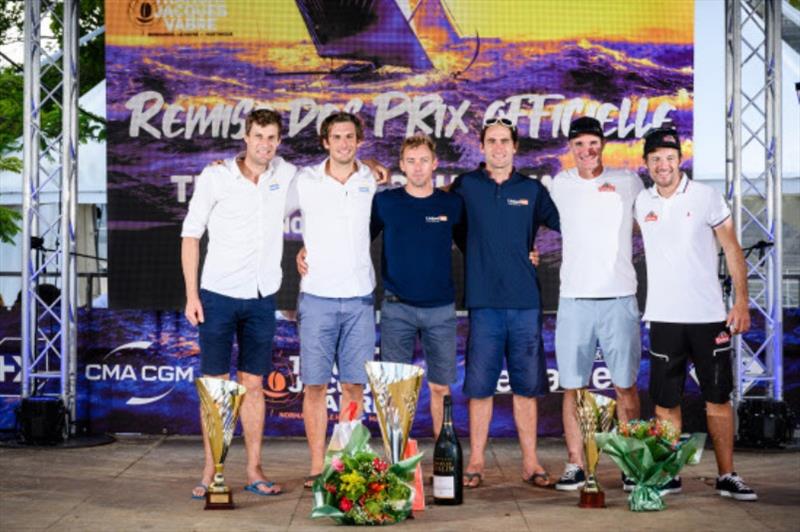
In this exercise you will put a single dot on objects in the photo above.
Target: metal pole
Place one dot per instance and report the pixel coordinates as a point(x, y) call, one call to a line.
point(773, 176)
point(733, 143)
point(30, 182)
point(69, 168)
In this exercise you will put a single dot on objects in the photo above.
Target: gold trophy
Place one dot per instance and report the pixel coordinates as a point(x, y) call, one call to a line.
point(395, 389)
point(595, 413)
point(219, 402)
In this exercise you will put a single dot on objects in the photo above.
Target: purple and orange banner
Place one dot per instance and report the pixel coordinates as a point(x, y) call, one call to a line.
point(181, 77)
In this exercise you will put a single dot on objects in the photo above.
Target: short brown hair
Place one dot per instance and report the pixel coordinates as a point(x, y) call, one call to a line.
point(335, 118)
point(416, 141)
point(262, 117)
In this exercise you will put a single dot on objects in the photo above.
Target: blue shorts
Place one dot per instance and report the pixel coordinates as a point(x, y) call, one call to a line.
point(510, 334)
point(582, 323)
point(252, 321)
point(340, 330)
point(436, 327)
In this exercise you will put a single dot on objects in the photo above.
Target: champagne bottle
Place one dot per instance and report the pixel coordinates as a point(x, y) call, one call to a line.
point(448, 480)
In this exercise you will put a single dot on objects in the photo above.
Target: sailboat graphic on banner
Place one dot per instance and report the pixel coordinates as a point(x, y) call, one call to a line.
point(375, 33)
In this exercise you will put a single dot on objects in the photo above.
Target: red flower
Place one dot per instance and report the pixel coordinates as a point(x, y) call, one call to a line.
point(376, 487)
point(330, 488)
point(345, 504)
point(379, 465)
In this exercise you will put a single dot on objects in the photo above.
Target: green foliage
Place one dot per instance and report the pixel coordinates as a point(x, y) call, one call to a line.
point(91, 72)
point(8, 224)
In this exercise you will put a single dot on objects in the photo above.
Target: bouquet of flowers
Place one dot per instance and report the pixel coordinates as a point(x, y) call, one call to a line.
point(357, 487)
point(650, 453)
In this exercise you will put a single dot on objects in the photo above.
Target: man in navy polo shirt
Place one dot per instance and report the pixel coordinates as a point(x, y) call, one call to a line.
point(417, 222)
point(504, 209)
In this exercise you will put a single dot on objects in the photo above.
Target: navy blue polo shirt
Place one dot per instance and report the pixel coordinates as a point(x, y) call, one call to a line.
point(500, 226)
point(417, 239)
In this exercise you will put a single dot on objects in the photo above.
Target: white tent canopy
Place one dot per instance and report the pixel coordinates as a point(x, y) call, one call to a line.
point(91, 163)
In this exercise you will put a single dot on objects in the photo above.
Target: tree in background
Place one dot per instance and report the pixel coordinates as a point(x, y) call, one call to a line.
point(91, 72)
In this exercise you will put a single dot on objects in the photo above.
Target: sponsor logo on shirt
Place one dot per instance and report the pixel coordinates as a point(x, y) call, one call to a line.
point(722, 338)
point(363, 189)
point(651, 217)
point(517, 202)
point(607, 187)
point(436, 219)
point(688, 214)
point(274, 186)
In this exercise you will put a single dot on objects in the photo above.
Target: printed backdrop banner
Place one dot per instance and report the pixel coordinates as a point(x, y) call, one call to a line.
point(135, 373)
point(182, 76)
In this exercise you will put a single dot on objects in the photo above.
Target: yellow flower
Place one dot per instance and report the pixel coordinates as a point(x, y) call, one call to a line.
point(352, 482)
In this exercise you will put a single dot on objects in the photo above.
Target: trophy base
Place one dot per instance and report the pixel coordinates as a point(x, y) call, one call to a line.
point(592, 499)
point(219, 501)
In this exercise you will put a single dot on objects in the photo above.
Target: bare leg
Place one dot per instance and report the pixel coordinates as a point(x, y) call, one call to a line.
point(352, 393)
point(720, 428)
point(438, 391)
point(628, 406)
point(252, 412)
point(525, 417)
point(572, 430)
point(671, 414)
point(315, 418)
point(480, 415)
point(208, 466)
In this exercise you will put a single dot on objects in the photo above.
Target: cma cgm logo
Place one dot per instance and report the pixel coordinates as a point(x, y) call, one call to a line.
point(120, 367)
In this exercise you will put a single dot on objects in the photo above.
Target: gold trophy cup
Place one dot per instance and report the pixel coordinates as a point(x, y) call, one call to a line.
point(395, 389)
point(220, 400)
point(595, 413)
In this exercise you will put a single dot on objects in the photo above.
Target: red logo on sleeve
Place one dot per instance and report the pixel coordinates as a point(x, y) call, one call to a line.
point(651, 217)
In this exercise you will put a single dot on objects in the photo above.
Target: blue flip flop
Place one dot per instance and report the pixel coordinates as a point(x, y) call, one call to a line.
point(203, 496)
point(253, 488)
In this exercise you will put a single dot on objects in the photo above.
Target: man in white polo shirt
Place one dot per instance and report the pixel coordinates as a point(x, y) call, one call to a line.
point(597, 301)
point(241, 203)
point(335, 308)
point(680, 219)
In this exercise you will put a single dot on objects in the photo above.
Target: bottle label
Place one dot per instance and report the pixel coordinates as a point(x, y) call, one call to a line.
point(444, 487)
point(443, 465)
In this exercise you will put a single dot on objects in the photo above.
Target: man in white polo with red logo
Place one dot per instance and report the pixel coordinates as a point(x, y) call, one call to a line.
point(597, 303)
point(680, 219)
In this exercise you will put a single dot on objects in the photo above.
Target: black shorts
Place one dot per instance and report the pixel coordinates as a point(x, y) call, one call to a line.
point(707, 345)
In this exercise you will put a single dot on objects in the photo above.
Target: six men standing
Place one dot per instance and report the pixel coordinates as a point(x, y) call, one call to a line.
point(493, 214)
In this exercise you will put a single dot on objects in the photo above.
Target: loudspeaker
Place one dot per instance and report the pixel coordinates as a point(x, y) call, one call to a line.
point(764, 423)
point(40, 420)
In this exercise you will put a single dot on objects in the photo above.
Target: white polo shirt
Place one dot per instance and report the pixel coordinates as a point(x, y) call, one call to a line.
point(681, 253)
point(336, 231)
point(596, 231)
point(245, 227)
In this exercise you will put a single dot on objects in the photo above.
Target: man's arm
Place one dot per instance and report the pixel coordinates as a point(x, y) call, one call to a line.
point(375, 220)
point(190, 262)
point(739, 316)
point(546, 212)
point(380, 172)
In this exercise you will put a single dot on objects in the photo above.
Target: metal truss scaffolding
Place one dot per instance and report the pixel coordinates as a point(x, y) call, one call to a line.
point(50, 163)
point(753, 128)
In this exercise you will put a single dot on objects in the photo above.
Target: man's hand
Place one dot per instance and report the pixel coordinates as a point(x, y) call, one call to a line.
point(739, 319)
point(302, 266)
point(194, 311)
point(533, 256)
point(380, 172)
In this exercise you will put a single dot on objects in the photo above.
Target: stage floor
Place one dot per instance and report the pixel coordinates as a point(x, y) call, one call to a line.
point(144, 483)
